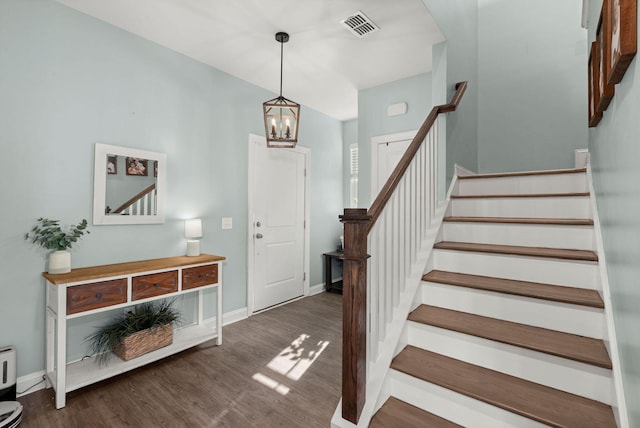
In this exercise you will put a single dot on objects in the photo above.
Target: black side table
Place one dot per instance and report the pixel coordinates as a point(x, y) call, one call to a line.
point(330, 285)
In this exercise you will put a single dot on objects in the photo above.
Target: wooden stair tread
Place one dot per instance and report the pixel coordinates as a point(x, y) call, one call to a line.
point(521, 195)
point(556, 293)
point(522, 220)
point(578, 348)
point(396, 413)
point(523, 173)
point(538, 402)
point(556, 253)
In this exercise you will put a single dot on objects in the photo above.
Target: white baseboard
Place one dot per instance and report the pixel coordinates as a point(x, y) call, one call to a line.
point(31, 382)
point(235, 316)
point(316, 289)
point(461, 171)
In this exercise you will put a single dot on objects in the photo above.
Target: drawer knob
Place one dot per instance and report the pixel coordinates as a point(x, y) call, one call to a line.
point(98, 296)
point(156, 285)
point(200, 276)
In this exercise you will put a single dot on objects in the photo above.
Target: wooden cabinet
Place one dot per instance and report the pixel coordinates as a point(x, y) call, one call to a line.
point(96, 289)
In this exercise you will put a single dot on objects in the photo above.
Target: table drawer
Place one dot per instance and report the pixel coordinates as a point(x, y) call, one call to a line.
point(81, 298)
point(199, 276)
point(156, 284)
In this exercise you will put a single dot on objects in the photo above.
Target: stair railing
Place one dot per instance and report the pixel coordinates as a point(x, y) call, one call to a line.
point(391, 232)
point(144, 203)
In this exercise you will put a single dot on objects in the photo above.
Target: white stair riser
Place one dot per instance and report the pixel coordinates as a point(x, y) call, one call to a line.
point(580, 320)
point(537, 269)
point(560, 183)
point(531, 235)
point(403, 341)
point(563, 374)
point(552, 207)
point(452, 406)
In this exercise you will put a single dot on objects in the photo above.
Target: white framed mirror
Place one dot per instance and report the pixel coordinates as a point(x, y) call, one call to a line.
point(128, 185)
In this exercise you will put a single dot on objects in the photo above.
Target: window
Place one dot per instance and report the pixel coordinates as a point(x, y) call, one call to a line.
point(353, 186)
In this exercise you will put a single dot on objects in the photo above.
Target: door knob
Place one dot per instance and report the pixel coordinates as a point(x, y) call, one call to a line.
point(258, 235)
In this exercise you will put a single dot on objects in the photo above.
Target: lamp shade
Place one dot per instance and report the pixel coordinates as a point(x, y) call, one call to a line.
point(193, 228)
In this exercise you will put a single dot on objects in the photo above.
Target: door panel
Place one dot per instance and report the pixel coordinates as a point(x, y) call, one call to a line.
point(279, 186)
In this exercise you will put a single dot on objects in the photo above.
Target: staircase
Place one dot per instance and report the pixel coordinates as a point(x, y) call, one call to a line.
point(508, 326)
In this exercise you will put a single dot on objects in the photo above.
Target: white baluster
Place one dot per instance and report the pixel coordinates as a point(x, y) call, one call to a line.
point(414, 198)
point(434, 163)
point(395, 252)
point(421, 193)
point(402, 232)
point(372, 287)
point(154, 207)
point(381, 277)
point(388, 267)
point(407, 220)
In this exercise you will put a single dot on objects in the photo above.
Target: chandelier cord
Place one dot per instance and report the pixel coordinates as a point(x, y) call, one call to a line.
point(281, 61)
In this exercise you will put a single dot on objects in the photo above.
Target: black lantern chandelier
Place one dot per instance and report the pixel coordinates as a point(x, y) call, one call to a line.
point(281, 116)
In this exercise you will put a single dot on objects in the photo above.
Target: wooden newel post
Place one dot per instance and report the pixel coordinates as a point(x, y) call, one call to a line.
point(354, 312)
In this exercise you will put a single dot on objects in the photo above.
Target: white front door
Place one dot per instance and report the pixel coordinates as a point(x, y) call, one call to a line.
point(278, 224)
point(386, 152)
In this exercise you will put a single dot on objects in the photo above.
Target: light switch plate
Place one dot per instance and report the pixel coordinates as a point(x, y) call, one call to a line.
point(227, 223)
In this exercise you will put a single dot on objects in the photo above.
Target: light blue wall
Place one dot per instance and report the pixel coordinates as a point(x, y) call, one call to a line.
point(458, 21)
point(69, 81)
point(531, 84)
point(373, 120)
point(615, 150)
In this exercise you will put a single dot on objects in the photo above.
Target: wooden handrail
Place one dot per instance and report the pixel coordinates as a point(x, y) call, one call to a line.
point(394, 179)
point(134, 199)
point(357, 225)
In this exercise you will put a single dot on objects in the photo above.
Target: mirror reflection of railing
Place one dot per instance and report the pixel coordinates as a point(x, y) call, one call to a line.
point(129, 185)
point(144, 203)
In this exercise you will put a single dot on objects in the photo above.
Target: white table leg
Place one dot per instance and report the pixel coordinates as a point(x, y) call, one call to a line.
point(61, 351)
point(51, 334)
point(219, 314)
point(200, 307)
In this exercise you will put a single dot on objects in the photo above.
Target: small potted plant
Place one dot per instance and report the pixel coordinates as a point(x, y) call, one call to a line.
point(144, 329)
point(48, 234)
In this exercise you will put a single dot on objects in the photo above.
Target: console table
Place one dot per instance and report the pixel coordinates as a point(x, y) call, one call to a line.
point(329, 284)
point(90, 290)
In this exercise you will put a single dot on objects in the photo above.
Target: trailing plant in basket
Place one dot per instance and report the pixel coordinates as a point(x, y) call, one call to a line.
point(48, 234)
point(145, 316)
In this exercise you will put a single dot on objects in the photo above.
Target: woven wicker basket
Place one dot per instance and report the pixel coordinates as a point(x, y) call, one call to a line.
point(144, 341)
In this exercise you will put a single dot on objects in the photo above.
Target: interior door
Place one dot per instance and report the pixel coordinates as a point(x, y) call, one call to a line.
point(389, 154)
point(278, 225)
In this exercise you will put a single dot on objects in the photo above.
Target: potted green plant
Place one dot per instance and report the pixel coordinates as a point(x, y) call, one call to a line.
point(49, 235)
point(144, 329)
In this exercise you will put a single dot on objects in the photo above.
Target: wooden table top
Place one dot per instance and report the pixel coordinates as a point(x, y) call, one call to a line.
point(105, 271)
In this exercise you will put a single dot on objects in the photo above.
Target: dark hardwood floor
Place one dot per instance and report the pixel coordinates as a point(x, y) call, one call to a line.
point(257, 378)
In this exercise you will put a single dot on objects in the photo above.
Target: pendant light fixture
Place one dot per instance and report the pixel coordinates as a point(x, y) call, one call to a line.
point(281, 116)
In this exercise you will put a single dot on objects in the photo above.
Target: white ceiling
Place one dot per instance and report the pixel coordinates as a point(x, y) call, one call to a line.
point(324, 64)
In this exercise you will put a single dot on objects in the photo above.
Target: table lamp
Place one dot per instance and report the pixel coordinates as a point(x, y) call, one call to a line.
point(193, 229)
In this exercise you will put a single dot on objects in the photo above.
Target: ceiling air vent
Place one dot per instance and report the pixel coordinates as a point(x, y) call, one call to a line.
point(359, 24)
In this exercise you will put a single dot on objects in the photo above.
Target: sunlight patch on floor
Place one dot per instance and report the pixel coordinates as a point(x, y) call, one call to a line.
point(270, 383)
point(294, 360)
